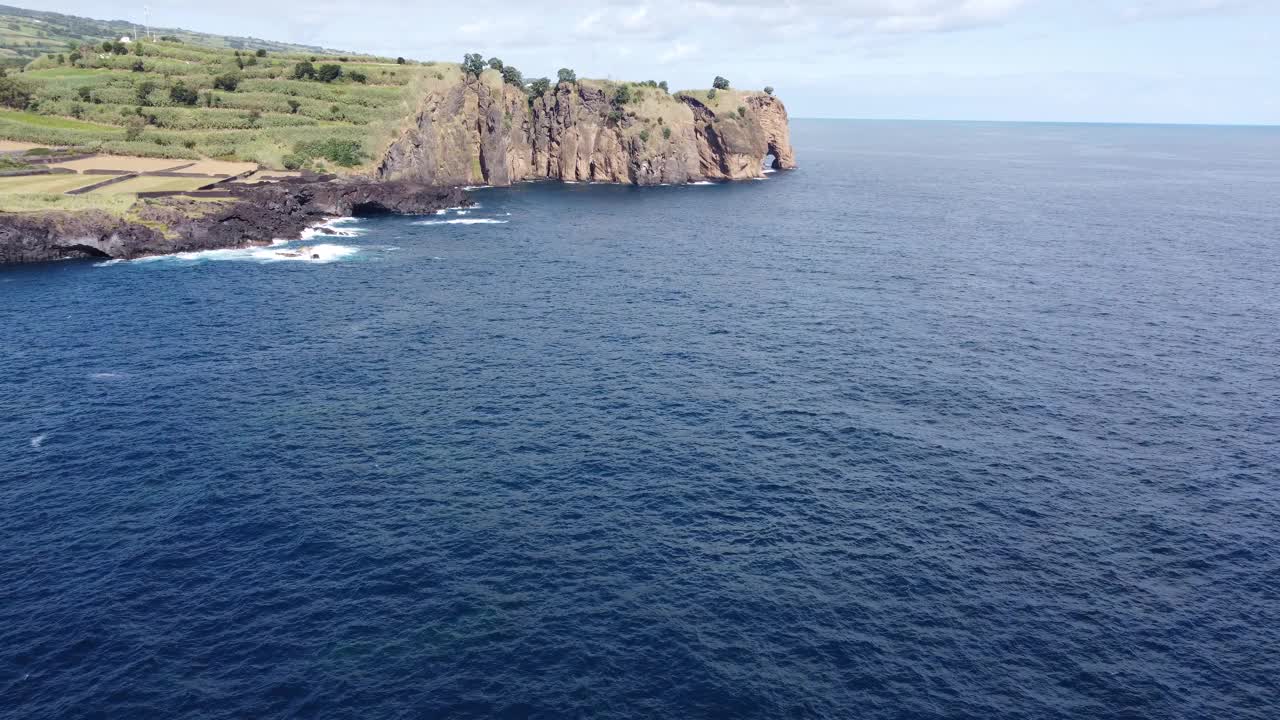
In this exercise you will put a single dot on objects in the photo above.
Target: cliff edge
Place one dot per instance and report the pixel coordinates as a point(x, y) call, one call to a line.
point(476, 130)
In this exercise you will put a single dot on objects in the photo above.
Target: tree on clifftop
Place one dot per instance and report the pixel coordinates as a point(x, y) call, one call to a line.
point(473, 63)
point(539, 86)
point(495, 64)
point(512, 76)
point(566, 75)
point(768, 89)
point(720, 83)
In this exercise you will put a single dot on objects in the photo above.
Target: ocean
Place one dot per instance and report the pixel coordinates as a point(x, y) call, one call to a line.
point(959, 420)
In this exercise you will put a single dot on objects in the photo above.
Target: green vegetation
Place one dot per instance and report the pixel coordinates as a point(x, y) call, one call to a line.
point(768, 89)
point(565, 75)
point(184, 100)
point(31, 34)
point(473, 64)
point(720, 83)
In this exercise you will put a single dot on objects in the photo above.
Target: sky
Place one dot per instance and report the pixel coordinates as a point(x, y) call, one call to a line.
point(1162, 61)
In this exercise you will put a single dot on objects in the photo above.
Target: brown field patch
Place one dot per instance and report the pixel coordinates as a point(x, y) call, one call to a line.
point(220, 167)
point(15, 146)
point(122, 162)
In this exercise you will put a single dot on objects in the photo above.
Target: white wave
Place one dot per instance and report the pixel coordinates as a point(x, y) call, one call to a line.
point(320, 254)
point(332, 228)
point(769, 171)
point(463, 221)
point(38, 440)
point(106, 376)
point(702, 182)
point(476, 187)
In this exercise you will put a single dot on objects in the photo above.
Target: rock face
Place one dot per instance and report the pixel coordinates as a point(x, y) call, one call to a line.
point(256, 215)
point(480, 131)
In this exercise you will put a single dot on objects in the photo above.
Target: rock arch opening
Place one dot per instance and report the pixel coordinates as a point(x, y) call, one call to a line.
point(87, 251)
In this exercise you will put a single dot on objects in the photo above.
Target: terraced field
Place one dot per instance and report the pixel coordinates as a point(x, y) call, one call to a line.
point(175, 100)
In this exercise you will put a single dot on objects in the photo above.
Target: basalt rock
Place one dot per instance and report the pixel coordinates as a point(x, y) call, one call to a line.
point(253, 215)
point(480, 131)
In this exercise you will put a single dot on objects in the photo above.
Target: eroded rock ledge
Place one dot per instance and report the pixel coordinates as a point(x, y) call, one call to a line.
point(252, 215)
point(482, 132)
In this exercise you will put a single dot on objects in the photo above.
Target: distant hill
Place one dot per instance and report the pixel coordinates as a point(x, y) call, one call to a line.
point(28, 34)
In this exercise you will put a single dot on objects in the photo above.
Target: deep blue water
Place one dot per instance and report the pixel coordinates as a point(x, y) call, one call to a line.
point(957, 421)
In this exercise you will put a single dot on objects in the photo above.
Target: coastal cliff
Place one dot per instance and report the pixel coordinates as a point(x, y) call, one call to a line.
point(480, 131)
point(250, 216)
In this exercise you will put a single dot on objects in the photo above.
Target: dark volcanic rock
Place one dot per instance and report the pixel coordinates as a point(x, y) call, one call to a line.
point(255, 215)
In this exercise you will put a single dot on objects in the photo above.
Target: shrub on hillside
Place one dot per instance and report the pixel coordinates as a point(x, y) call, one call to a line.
point(768, 89)
point(143, 90)
point(357, 76)
point(134, 127)
point(227, 81)
point(711, 94)
point(720, 83)
point(400, 61)
point(666, 133)
point(304, 71)
point(261, 52)
point(182, 95)
point(346, 153)
point(328, 72)
point(622, 96)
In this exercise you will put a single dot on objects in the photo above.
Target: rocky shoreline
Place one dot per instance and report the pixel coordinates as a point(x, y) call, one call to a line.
point(243, 216)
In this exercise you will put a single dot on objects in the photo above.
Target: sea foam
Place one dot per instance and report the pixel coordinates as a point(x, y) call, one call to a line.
point(463, 221)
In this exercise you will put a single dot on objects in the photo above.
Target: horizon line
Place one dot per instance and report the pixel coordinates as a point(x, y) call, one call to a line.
point(1134, 123)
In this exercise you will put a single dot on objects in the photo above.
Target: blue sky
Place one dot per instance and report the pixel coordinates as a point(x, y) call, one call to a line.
point(1177, 61)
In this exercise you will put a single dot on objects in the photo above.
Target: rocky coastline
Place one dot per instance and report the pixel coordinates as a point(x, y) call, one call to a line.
point(247, 216)
point(474, 132)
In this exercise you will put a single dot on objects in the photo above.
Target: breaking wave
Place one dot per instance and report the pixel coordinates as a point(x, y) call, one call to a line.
point(463, 221)
point(318, 254)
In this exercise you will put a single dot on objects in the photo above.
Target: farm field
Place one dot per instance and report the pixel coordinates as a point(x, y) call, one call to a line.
point(36, 184)
point(119, 163)
point(153, 183)
point(284, 110)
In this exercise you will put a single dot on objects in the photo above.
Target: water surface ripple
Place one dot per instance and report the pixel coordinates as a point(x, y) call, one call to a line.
point(958, 421)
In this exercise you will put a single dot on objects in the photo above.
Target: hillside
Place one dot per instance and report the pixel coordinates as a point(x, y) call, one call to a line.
point(209, 108)
point(171, 99)
point(28, 34)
